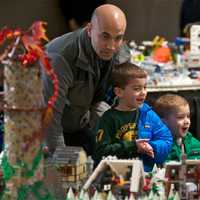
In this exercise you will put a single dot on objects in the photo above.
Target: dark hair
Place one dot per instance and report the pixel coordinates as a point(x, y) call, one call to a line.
point(168, 103)
point(125, 72)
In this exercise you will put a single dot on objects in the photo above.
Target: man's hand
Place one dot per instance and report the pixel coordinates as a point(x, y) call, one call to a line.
point(144, 147)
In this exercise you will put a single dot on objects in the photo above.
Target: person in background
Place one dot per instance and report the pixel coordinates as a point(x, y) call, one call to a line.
point(189, 14)
point(83, 62)
point(131, 128)
point(175, 112)
point(77, 13)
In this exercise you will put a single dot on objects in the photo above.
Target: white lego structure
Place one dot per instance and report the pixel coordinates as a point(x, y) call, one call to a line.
point(120, 167)
point(192, 58)
point(195, 39)
point(185, 176)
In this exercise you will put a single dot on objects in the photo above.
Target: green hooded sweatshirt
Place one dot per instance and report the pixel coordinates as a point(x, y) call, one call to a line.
point(191, 145)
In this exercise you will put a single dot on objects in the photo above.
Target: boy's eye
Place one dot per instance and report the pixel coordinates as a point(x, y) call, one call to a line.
point(181, 116)
point(139, 88)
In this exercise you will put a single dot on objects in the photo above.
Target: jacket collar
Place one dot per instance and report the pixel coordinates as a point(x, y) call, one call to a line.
point(86, 54)
point(145, 107)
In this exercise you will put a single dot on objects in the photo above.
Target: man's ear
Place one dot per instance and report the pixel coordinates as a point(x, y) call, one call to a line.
point(89, 28)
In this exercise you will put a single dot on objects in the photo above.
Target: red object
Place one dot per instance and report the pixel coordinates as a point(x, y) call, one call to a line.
point(1, 173)
point(162, 54)
point(46, 149)
point(146, 188)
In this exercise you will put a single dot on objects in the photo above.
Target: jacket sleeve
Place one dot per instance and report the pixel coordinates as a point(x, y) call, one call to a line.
point(161, 139)
point(96, 111)
point(54, 135)
point(107, 143)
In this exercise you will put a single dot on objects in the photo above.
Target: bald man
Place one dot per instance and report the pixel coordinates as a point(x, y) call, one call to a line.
point(83, 62)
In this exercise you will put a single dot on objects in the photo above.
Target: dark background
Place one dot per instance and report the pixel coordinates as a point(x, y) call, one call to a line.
point(146, 18)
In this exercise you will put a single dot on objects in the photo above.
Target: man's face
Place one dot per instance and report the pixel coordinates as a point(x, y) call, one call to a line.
point(179, 121)
point(134, 93)
point(106, 39)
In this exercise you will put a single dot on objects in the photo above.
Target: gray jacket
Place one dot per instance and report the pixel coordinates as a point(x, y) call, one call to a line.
point(83, 79)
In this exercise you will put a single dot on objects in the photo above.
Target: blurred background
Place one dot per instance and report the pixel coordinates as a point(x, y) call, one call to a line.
point(146, 18)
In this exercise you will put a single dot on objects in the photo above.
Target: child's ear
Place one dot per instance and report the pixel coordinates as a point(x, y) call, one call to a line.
point(118, 91)
point(164, 120)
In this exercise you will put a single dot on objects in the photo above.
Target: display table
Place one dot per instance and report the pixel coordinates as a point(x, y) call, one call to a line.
point(173, 88)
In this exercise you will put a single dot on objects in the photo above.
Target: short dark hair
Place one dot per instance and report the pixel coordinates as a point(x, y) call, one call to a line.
point(168, 103)
point(125, 72)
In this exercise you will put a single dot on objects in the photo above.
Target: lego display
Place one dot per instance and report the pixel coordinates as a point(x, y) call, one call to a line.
point(69, 174)
point(183, 177)
point(25, 115)
point(72, 165)
point(125, 179)
point(171, 66)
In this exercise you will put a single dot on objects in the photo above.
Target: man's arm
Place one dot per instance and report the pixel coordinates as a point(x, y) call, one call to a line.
point(54, 135)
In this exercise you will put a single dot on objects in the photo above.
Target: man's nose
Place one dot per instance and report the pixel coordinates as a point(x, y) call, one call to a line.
point(111, 44)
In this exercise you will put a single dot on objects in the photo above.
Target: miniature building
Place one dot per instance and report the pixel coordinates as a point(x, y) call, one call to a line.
point(121, 167)
point(71, 162)
point(181, 173)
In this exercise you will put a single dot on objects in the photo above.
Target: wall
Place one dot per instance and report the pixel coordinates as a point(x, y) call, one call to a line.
point(22, 13)
point(148, 18)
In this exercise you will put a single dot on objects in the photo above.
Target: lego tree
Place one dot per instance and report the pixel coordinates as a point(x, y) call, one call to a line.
point(25, 114)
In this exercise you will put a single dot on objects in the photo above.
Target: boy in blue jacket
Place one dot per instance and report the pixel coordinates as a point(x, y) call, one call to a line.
point(131, 128)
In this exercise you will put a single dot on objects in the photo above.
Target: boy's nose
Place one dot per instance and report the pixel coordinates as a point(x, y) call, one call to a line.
point(187, 121)
point(143, 91)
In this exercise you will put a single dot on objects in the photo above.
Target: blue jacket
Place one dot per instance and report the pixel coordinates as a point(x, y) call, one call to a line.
point(151, 126)
point(115, 136)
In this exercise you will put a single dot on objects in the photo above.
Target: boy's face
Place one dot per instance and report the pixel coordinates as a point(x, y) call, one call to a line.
point(179, 121)
point(134, 93)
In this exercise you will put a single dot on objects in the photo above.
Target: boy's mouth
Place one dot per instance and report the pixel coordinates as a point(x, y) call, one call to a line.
point(184, 129)
point(140, 100)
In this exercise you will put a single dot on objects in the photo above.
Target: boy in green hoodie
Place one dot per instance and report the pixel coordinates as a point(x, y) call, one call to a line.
point(175, 112)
